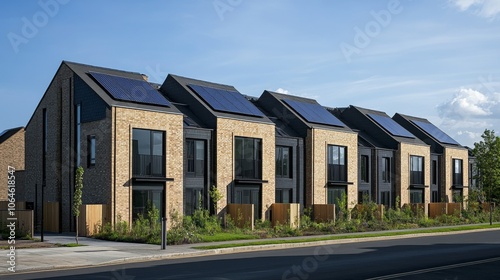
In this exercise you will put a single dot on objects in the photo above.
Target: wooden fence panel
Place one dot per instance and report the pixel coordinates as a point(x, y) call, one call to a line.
point(242, 214)
point(454, 209)
point(51, 217)
point(92, 217)
point(24, 222)
point(437, 209)
point(20, 205)
point(323, 213)
point(285, 214)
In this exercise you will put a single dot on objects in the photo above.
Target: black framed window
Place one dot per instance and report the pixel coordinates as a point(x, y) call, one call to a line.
point(457, 195)
point(337, 163)
point(146, 196)
point(249, 194)
point(283, 162)
point(193, 200)
point(195, 157)
point(386, 170)
point(91, 150)
point(78, 124)
point(416, 196)
point(363, 196)
point(248, 158)
point(148, 148)
point(458, 172)
point(284, 196)
point(365, 169)
point(416, 170)
point(434, 196)
point(385, 198)
point(337, 196)
point(434, 172)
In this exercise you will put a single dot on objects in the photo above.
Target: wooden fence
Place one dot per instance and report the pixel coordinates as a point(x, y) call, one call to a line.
point(20, 205)
point(323, 213)
point(242, 215)
point(51, 217)
point(437, 209)
point(285, 214)
point(92, 217)
point(24, 222)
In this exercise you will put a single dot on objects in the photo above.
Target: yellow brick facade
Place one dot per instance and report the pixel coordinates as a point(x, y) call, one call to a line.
point(227, 130)
point(403, 170)
point(12, 154)
point(124, 121)
point(448, 156)
point(317, 141)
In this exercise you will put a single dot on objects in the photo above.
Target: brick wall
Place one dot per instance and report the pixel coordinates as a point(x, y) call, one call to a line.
point(124, 120)
point(317, 141)
point(12, 154)
point(403, 170)
point(447, 175)
point(226, 130)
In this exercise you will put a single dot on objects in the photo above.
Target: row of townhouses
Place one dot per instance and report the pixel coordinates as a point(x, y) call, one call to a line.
point(169, 144)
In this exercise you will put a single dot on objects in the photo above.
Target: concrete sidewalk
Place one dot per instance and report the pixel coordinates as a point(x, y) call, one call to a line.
point(101, 252)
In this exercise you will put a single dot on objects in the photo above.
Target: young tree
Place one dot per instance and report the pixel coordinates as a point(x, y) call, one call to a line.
point(487, 153)
point(77, 196)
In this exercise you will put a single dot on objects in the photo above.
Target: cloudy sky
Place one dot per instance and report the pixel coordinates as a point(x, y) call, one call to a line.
point(437, 59)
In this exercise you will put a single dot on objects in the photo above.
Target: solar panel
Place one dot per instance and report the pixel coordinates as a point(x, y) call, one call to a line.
point(3, 132)
point(435, 132)
point(226, 100)
point(313, 112)
point(391, 126)
point(126, 89)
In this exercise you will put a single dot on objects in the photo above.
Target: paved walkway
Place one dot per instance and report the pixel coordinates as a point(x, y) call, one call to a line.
point(101, 252)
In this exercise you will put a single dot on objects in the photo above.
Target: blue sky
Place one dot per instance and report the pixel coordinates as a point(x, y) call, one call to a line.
point(433, 59)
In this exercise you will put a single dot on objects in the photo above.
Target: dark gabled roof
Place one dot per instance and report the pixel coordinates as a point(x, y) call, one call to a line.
point(179, 96)
point(82, 71)
point(291, 113)
point(282, 129)
point(411, 124)
point(6, 134)
point(190, 119)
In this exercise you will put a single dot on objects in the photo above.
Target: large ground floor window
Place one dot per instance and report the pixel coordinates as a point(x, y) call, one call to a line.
point(193, 200)
point(284, 195)
point(337, 196)
point(416, 196)
point(457, 195)
point(385, 198)
point(249, 194)
point(145, 196)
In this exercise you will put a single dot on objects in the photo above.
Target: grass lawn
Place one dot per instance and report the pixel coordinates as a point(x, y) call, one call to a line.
point(346, 236)
point(226, 236)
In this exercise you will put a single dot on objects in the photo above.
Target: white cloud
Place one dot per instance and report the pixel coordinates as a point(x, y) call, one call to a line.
point(472, 135)
point(468, 103)
point(284, 91)
point(483, 8)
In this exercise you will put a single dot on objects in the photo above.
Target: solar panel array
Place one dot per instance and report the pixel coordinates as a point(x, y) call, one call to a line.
point(313, 113)
point(226, 100)
point(391, 126)
point(435, 132)
point(126, 89)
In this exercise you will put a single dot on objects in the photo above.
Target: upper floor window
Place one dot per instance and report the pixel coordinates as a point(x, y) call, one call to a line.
point(283, 162)
point(365, 169)
point(195, 157)
point(78, 124)
point(457, 172)
point(91, 150)
point(148, 153)
point(386, 170)
point(248, 158)
point(434, 172)
point(337, 163)
point(416, 170)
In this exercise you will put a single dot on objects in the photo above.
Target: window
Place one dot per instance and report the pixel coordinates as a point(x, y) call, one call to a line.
point(365, 169)
point(416, 196)
point(337, 164)
point(337, 196)
point(472, 174)
point(283, 162)
point(457, 172)
point(91, 150)
point(385, 198)
point(78, 114)
point(386, 170)
point(435, 196)
point(193, 200)
point(457, 196)
point(146, 196)
point(148, 153)
point(284, 195)
point(195, 157)
point(363, 196)
point(248, 158)
point(434, 172)
point(249, 194)
point(45, 131)
point(416, 170)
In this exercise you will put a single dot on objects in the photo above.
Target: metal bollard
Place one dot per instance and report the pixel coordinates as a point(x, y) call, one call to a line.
point(163, 233)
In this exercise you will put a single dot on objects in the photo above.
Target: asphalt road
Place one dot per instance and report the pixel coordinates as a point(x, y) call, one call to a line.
point(453, 257)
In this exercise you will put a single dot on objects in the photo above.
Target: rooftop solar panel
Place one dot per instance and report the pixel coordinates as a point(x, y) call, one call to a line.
point(3, 132)
point(313, 113)
point(435, 132)
point(126, 89)
point(391, 126)
point(226, 100)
